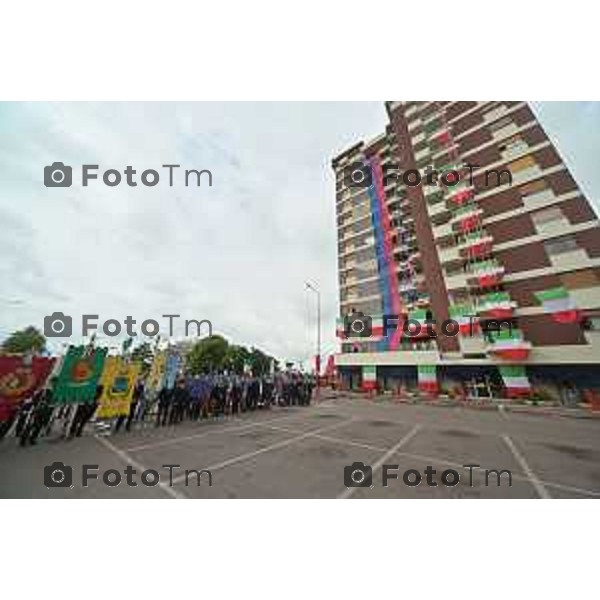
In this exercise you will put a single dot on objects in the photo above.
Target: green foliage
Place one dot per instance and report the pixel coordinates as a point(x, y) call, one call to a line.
point(215, 353)
point(29, 339)
point(207, 355)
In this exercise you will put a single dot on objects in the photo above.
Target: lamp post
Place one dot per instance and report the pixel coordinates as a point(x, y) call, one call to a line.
point(314, 288)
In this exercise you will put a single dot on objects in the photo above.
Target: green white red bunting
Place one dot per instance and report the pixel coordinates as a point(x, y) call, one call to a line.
point(427, 378)
point(557, 302)
point(369, 377)
point(515, 380)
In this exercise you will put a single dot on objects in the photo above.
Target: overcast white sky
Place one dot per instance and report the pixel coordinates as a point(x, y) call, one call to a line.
point(237, 253)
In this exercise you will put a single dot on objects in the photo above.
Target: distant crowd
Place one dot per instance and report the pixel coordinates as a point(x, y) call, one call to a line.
point(190, 399)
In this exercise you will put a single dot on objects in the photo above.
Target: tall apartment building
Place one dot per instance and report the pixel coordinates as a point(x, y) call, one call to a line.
point(512, 258)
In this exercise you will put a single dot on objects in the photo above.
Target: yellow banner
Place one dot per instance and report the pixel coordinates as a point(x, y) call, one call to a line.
point(118, 380)
point(157, 371)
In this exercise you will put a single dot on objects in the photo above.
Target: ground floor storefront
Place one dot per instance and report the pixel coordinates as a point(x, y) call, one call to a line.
point(567, 384)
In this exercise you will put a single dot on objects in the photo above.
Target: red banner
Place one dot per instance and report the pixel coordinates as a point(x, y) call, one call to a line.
point(19, 379)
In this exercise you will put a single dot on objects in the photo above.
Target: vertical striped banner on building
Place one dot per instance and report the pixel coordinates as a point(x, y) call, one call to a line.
point(369, 377)
point(392, 303)
point(428, 378)
point(515, 380)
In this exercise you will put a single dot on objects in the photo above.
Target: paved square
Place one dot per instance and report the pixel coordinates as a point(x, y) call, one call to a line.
point(302, 452)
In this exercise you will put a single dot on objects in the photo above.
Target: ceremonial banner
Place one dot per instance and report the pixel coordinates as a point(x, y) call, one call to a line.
point(79, 375)
point(156, 376)
point(118, 382)
point(19, 379)
point(172, 369)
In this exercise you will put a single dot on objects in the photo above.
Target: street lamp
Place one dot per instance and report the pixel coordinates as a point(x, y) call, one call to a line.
point(314, 288)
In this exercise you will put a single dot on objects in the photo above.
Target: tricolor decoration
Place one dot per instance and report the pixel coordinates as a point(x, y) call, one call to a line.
point(508, 344)
point(432, 126)
point(487, 273)
point(466, 317)
point(369, 378)
point(515, 380)
point(19, 379)
point(441, 139)
point(469, 223)
point(477, 246)
point(428, 379)
point(496, 305)
point(414, 331)
point(460, 196)
point(118, 382)
point(558, 303)
point(79, 375)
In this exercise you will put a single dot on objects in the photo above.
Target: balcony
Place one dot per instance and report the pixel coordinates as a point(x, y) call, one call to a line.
point(449, 255)
point(441, 232)
point(504, 132)
point(456, 281)
point(570, 260)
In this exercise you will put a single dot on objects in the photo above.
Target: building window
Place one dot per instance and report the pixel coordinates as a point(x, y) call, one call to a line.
point(561, 245)
point(548, 215)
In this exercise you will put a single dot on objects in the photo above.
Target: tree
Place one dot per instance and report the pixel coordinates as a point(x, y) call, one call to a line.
point(236, 359)
point(29, 339)
point(260, 363)
point(207, 355)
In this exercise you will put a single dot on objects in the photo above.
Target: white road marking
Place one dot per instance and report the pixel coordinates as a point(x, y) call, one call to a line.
point(327, 438)
point(170, 491)
point(172, 441)
point(535, 482)
point(269, 448)
point(375, 467)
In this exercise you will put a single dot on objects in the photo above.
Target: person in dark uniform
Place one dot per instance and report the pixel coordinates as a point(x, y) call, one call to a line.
point(40, 417)
point(84, 413)
point(137, 396)
point(180, 403)
point(236, 396)
point(267, 392)
point(164, 404)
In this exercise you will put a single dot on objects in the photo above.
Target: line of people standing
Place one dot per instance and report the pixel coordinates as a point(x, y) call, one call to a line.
point(192, 398)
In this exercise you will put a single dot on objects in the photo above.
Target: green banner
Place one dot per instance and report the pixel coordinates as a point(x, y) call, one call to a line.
point(79, 375)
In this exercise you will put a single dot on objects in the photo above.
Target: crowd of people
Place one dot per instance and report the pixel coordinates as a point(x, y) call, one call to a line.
point(189, 399)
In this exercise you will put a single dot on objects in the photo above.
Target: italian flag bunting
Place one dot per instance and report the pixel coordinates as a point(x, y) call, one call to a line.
point(369, 377)
point(464, 315)
point(469, 223)
point(427, 378)
point(515, 380)
point(557, 302)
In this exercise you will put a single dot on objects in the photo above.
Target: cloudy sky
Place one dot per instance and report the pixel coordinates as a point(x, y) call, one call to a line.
point(236, 253)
